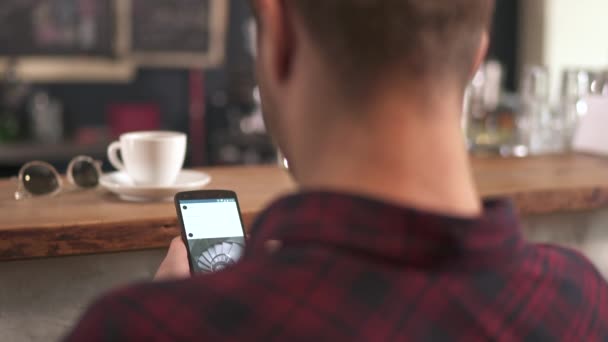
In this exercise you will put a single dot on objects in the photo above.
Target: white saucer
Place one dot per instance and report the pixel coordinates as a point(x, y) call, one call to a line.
point(121, 184)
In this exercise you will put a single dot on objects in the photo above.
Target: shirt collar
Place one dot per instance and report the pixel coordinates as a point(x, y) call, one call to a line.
point(387, 231)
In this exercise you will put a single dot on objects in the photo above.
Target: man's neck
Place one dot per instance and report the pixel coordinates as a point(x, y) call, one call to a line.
point(414, 157)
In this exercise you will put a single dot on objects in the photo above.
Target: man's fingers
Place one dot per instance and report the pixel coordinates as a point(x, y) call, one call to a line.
point(175, 265)
point(177, 245)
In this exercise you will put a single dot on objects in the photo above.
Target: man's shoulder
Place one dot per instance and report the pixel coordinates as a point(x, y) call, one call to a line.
point(212, 305)
point(197, 290)
point(578, 285)
point(566, 261)
point(573, 275)
point(563, 263)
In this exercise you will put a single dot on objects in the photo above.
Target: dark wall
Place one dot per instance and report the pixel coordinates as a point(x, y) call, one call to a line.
point(86, 103)
point(504, 40)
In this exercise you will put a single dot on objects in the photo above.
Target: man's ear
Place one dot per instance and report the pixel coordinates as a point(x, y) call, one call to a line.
point(481, 53)
point(277, 37)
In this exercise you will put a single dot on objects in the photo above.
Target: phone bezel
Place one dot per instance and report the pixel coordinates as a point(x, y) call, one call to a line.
point(203, 195)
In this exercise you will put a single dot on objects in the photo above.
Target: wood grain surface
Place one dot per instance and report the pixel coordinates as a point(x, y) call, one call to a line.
point(548, 184)
point(85, 222)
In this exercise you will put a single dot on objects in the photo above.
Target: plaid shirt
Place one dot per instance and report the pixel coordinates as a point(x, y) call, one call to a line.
point(354, 269)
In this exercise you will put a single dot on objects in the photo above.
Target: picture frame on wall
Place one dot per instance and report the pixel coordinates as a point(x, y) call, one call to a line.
point(179, 33)
point(67, 40)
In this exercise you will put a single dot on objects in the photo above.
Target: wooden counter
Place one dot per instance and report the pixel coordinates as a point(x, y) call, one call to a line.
point(544, 185)
point(84, 222)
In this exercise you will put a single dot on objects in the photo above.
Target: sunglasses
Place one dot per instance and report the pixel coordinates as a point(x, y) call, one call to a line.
point(39, 178)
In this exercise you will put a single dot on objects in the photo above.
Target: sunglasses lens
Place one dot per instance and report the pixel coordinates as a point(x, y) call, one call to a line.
point(40, 180)
point(85, 174)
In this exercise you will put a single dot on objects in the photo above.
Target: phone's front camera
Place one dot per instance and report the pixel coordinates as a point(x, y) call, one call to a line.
point(191, 235)
point(185, 207)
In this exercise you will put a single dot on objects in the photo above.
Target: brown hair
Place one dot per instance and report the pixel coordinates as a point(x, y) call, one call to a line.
point(419, 38)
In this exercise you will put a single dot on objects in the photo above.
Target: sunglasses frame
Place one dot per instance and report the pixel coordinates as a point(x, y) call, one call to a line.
point(23, 193)
point(70, 171)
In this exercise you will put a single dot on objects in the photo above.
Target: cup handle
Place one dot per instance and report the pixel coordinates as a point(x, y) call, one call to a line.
point(113, 156)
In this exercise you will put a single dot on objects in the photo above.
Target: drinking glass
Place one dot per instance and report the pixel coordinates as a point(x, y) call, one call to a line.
point(576, 85)
point(540, 129)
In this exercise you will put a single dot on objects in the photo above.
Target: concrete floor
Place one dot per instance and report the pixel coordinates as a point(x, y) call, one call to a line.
point(40, 300)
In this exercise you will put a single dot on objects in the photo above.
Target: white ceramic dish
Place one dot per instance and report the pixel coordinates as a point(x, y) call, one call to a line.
point(121, 184)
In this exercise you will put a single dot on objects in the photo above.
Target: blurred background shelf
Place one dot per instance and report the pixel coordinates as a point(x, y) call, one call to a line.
point(21, 153)
point(224, 93)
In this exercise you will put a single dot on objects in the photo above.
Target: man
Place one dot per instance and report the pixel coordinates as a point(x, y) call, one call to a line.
point(387, 239)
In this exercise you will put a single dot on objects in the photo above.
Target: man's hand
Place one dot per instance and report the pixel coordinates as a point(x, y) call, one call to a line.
point(175, 266)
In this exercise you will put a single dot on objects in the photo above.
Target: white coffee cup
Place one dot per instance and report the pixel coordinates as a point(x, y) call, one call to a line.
point(150, 158)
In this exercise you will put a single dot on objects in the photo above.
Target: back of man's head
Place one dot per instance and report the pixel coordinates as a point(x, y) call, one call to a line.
point(343, 79)
point(365, 39)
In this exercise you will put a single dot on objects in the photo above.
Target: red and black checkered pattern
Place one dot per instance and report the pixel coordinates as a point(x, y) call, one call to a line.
point(355, 269)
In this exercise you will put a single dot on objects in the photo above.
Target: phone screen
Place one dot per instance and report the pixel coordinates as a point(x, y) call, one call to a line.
point(214, 233)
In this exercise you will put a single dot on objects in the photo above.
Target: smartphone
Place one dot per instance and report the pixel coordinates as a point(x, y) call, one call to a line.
point(212, 229)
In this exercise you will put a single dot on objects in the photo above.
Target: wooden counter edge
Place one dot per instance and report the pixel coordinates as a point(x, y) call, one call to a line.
point(73, 240)
point(564, 200)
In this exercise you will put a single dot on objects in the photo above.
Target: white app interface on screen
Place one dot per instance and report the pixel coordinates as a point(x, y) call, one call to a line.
point(214, 233)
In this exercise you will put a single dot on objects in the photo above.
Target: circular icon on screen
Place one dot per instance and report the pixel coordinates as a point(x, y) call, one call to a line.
point(220, 256)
